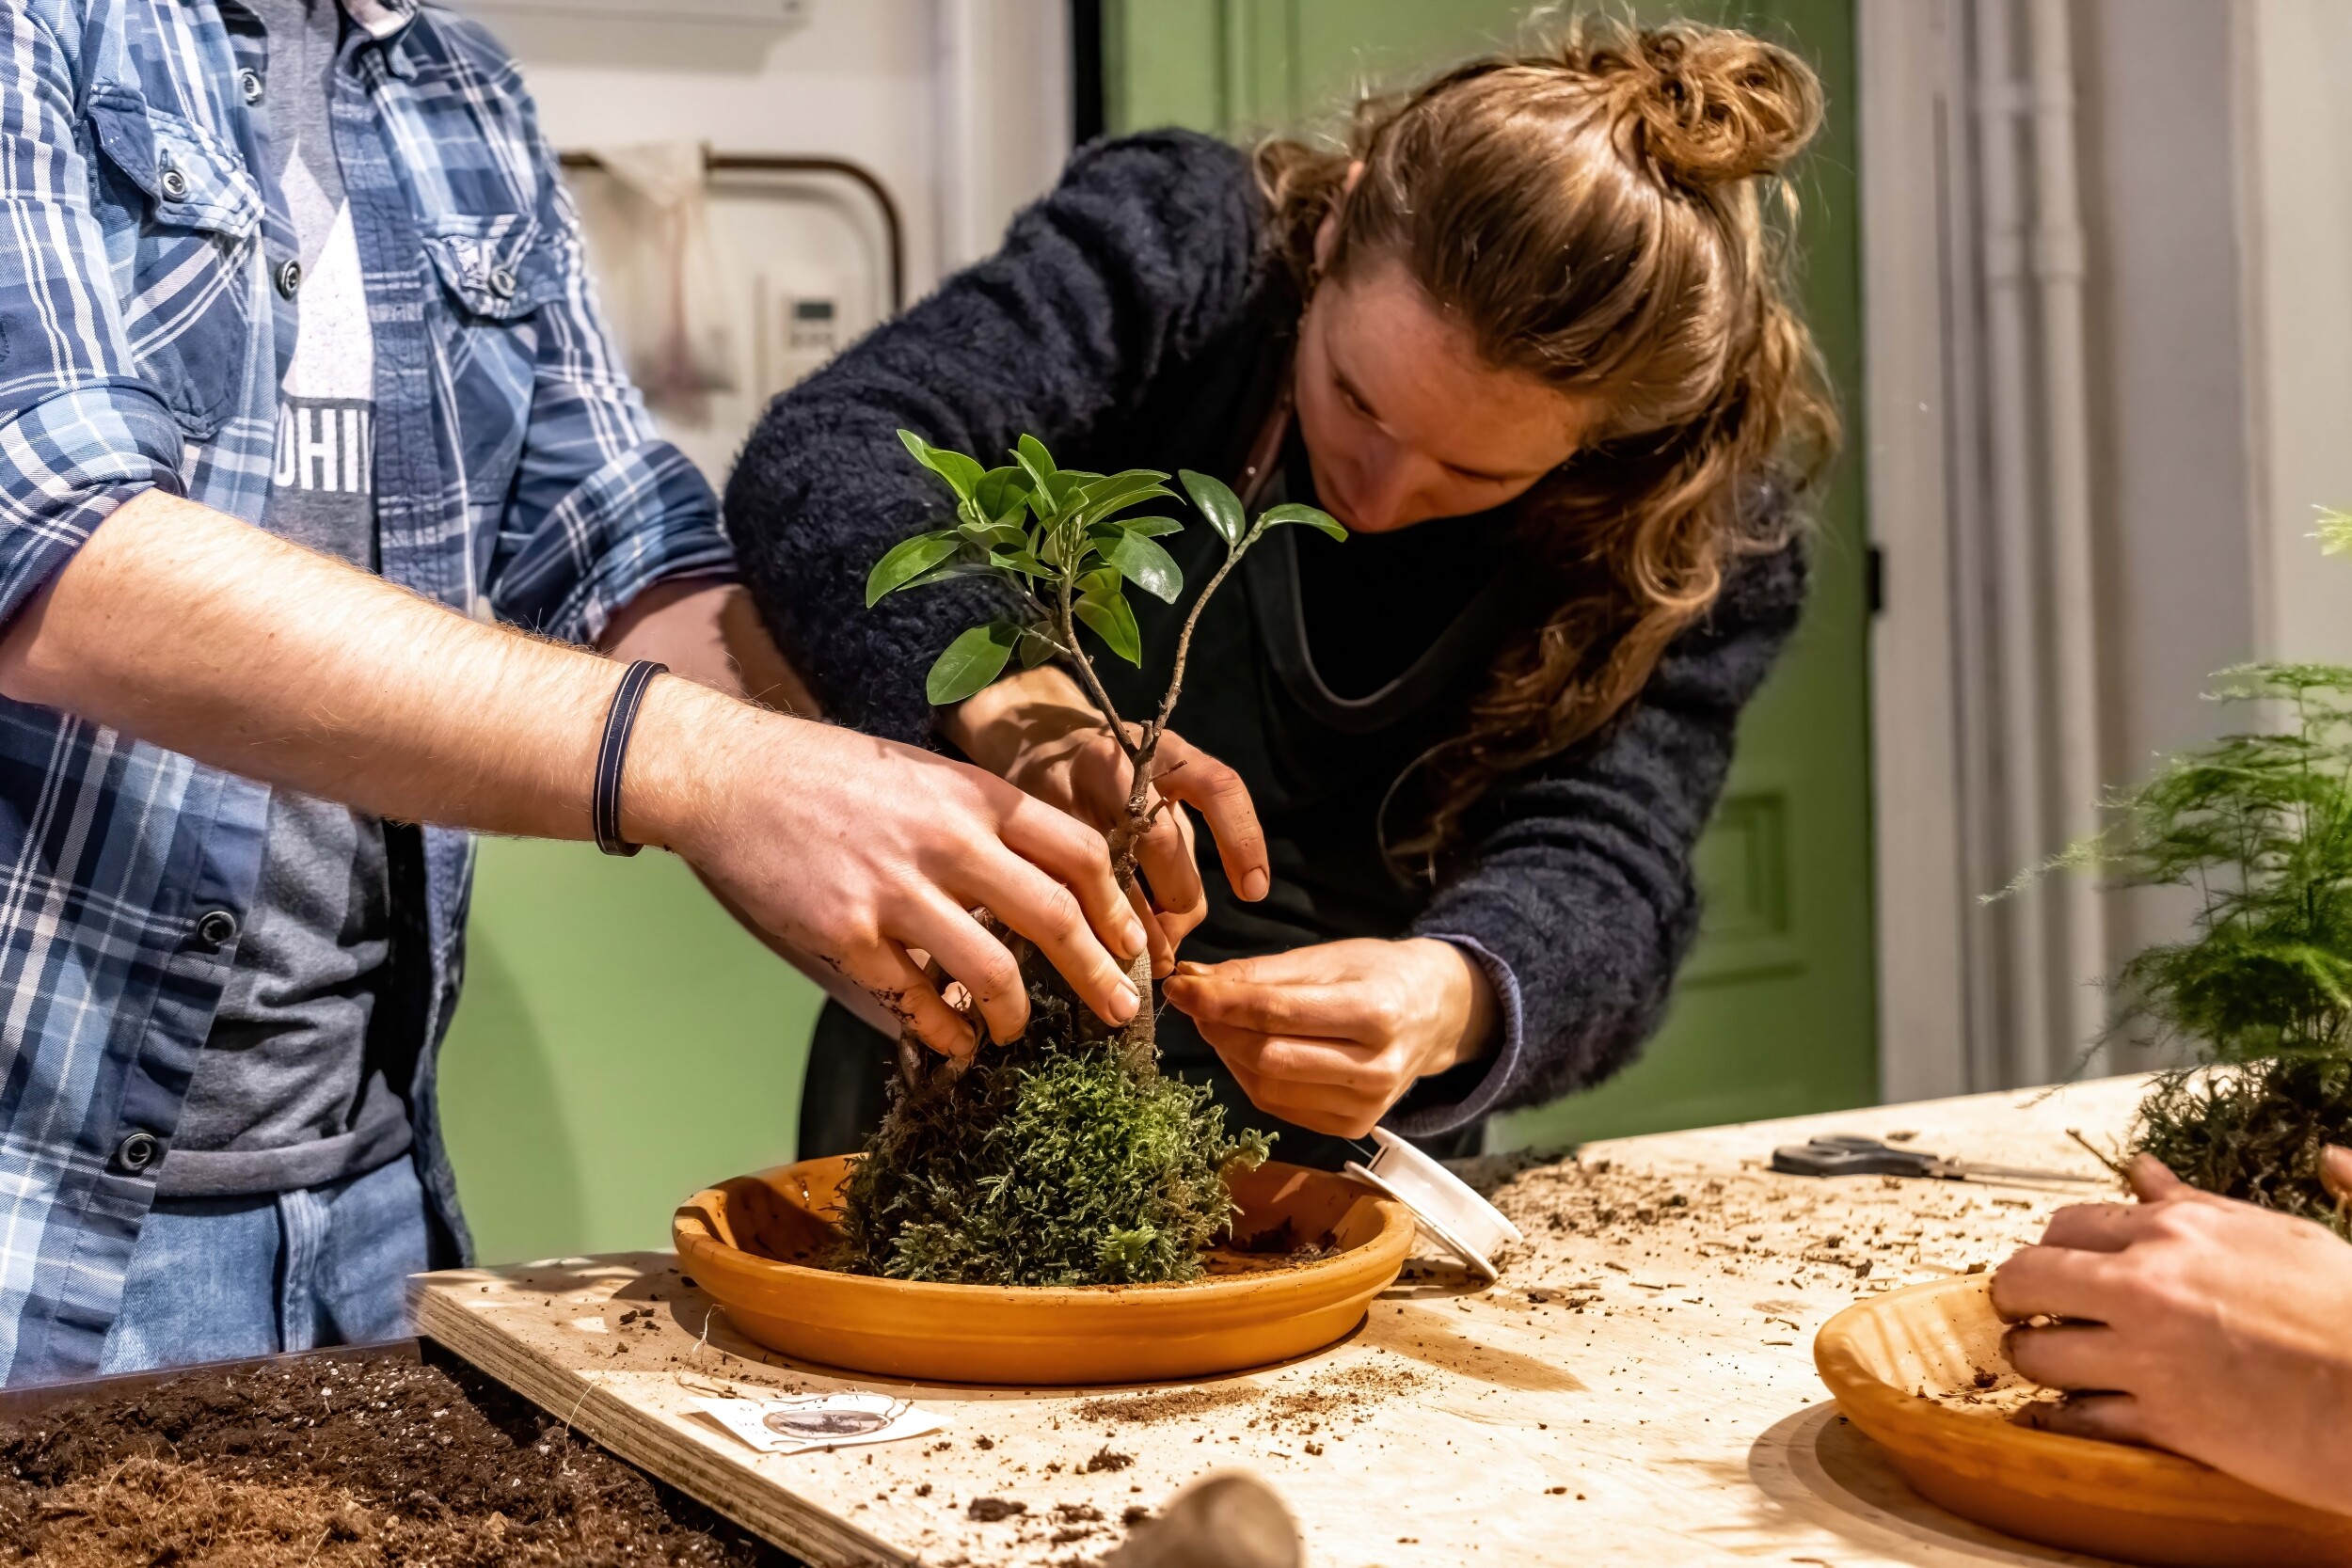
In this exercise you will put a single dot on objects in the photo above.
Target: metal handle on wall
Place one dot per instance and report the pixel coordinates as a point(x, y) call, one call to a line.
point(776, 163)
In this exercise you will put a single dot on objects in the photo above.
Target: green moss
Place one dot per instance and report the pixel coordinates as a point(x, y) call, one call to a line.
point(1048, 1161)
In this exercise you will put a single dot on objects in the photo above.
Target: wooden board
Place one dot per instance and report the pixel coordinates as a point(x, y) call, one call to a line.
point(1639, 1383)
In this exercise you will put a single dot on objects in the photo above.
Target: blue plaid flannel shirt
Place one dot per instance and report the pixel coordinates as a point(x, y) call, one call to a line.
point(142, 344)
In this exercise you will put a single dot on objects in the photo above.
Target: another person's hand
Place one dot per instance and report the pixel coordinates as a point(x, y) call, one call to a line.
point(1037, 730)
point(1329, 1037)
point(2209, 1327)
point(852, 850)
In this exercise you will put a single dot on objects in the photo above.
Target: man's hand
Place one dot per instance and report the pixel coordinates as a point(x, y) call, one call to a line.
point(855, 849)
point(200, 634)
point(1037, 730)
point(2212, 1328)
point(1330, 1037)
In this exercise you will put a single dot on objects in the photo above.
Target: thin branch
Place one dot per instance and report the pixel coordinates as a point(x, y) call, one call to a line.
point(1192, 618)
point(1086, 669)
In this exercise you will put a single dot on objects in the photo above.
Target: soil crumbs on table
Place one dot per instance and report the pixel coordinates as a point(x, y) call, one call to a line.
point(345, 1464)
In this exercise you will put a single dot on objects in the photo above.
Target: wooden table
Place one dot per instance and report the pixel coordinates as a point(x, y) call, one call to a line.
point(1638, 1387)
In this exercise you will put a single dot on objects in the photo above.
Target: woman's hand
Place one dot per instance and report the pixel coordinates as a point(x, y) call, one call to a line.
point(1331, 1036)
point(1037, 730)
point(2209, 1327)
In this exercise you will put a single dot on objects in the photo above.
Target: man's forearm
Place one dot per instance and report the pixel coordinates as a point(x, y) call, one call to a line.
point(708, 631)
point(193, 630)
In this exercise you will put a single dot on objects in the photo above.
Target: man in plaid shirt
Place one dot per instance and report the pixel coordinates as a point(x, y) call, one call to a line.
point(303, 393)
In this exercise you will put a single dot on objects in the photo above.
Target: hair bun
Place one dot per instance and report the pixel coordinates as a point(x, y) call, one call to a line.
point(1712, 105)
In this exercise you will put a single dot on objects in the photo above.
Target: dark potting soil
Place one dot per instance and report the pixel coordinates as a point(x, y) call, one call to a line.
point(346, 1464)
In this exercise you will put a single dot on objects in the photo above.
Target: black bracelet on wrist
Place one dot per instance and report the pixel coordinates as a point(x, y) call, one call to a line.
point(605, 811)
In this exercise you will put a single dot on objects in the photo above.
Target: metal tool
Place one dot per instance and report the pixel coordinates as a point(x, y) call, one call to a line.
point(1841, 1154)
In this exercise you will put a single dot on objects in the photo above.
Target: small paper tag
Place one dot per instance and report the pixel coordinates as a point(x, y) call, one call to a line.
point(798, 1423)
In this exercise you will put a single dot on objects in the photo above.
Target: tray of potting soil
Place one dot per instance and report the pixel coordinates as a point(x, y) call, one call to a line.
point(341, 1459)
point(1638, 1384)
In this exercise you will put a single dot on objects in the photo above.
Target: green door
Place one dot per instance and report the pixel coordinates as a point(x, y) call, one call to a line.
point(1776, 1012)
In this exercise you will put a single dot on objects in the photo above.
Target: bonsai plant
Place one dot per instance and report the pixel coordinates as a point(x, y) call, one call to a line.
point(2258, 826)
point(1064, 1157)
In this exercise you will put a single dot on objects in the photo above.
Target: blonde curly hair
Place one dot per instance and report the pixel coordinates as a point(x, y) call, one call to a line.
point(1603, 212)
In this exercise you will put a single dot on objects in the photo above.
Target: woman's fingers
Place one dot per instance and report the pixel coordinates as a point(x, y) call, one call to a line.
point(1209, 786)
point(1328, 1063)
point(1166, 859)
point(1277, 1007)
point(2335, 1172)
point(2054, 1282)
point(2095, 1226)
point(1155, 929)
point(2152, 1181)
point(1338, 1114)
point(2110, 1418)
point(2070, 1355)
point(892, 977)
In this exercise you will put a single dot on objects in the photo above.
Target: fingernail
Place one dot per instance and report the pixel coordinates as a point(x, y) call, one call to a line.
point(1190, 967)
point(1253, 884)
point(1123, 1005)
point(1135, 939)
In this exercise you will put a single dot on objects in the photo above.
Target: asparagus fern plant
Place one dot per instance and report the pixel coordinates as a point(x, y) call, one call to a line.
point(1062, 1158)
point(2257, 827)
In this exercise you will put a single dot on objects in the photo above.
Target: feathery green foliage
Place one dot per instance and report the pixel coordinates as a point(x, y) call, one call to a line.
point(2258, 826)
point(1062, 1158)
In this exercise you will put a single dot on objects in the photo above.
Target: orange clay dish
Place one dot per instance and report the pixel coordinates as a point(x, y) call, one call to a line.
point(754, 1246)
point(1920, 1370)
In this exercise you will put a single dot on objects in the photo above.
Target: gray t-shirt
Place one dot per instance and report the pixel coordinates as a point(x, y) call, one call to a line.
point(285, 1095)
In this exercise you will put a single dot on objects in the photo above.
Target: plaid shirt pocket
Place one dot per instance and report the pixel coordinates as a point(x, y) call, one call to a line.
point(186, 275)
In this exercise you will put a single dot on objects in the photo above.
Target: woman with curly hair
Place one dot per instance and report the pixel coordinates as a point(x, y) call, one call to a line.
point(1531, 339)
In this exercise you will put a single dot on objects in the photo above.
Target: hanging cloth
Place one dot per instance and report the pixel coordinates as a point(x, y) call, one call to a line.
point(657, 264)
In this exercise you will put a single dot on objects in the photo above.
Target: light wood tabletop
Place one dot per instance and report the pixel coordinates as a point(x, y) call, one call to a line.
point(1638, 1386)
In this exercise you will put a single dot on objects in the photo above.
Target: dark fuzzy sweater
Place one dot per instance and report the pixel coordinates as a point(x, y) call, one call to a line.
point(1131, 320)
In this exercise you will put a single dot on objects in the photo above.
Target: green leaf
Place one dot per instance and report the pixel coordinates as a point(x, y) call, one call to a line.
point(1113, 622)
point(1003, 537)
point(961, 473)
point(1100, 497)
point(1019, 560)
point(1292, 511)
point(947, 573)
point(1002, 493)
point(907, 561)
point(971, 663)
point(1038, 464)
point(1217, 502)
point(1036, 648)
point(1145, 564)
point(1151, 528)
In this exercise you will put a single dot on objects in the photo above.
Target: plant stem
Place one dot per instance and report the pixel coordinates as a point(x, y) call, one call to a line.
point(1064, 624)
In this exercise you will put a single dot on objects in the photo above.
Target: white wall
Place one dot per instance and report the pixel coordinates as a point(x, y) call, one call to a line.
point(2299, 91)
point(960, 107)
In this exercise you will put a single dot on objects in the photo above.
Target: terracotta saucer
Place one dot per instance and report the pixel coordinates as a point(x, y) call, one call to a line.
point(751, 1243)
point(1904, 1367)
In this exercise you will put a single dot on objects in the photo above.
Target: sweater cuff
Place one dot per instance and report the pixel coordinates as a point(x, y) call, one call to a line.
point(1465, 1094)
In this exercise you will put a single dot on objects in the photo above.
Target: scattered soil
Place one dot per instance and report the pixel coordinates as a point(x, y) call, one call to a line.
point(349, 1463)
point(1178, 1404)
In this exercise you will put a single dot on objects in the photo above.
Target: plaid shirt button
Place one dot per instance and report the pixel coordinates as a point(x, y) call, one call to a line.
point(215, 930)
point(137, 1151)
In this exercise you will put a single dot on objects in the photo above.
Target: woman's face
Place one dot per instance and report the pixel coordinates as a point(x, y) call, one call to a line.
point(1403, 420)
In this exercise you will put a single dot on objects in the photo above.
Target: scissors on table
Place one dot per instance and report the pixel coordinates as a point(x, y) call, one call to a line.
point(1841, 1154)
